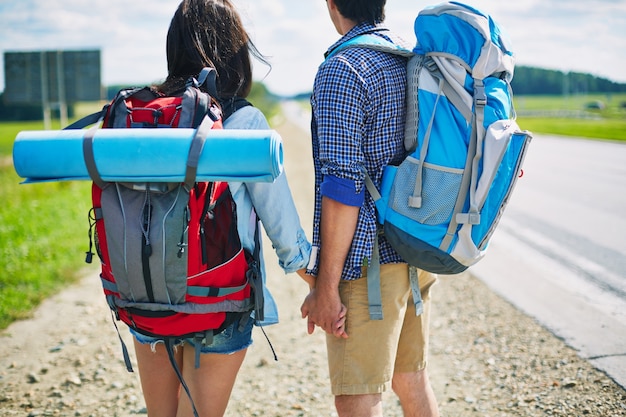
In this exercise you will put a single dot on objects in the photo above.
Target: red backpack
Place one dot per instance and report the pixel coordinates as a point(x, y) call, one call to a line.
point(172, 262)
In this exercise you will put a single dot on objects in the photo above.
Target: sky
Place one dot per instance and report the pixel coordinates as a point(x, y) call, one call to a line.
point(573, 35)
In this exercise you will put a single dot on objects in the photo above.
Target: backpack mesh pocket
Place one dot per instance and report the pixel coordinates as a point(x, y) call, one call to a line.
point(440, 188)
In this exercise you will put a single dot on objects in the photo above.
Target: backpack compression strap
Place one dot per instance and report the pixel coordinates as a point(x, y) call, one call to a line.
point(90, 161)
point(195, 150)
point(253, 275)
point(374, 296)
point(92, 119)
point(169, 347)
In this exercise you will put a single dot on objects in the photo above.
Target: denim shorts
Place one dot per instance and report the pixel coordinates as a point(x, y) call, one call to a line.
point(231, 340)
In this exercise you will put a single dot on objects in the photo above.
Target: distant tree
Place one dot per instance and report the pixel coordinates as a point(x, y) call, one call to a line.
point(531, 80)
point(262, 98)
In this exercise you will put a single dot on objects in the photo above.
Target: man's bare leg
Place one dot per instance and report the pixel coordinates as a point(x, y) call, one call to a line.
point(369, 405)
point(415, 393)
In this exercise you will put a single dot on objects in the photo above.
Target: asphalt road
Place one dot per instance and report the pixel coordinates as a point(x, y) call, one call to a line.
point(559, 253)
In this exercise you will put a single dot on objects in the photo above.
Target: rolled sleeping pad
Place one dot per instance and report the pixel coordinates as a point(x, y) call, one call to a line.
point(148, 155)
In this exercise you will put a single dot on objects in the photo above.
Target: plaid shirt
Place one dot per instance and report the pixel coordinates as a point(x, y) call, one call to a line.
point(358, 105)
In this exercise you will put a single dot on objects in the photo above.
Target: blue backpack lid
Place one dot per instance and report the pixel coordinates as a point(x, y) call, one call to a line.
point(472, 36)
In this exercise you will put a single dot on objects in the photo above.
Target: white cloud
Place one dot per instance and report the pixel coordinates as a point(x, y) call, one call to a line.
point(293, 37)
point(574, 35)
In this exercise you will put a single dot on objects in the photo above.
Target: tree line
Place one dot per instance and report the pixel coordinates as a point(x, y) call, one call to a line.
point(526, 81)
point(539, 81)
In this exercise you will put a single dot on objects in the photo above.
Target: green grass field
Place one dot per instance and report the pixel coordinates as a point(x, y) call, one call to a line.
point(43, 233)
point(43, 227)
point(43, 240)
point(568, 116)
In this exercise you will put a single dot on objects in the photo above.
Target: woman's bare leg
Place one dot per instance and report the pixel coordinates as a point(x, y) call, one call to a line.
point(211, 384)
point(159, 383)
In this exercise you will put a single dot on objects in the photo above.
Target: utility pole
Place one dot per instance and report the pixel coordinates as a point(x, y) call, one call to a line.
point(45, 95)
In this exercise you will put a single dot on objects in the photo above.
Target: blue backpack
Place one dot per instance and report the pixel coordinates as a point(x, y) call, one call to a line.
point(439, 207)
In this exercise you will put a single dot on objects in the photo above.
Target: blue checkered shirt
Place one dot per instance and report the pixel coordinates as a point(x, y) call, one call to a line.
point(358, 105)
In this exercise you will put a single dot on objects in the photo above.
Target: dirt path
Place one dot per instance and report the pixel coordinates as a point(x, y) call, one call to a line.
point(487, 359)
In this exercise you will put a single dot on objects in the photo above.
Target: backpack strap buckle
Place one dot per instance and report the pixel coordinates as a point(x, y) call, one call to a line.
point(468, 218)
point(207, 81)
point(480, 97)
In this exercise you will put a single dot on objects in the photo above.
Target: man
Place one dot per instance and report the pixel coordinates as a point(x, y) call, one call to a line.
point(358, 105)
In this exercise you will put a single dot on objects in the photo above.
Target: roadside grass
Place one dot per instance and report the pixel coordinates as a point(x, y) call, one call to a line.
point(43, 233)
point(43, 227)
point(43, 240)
point(574, 115)
point(9, 130)
point(609, 129)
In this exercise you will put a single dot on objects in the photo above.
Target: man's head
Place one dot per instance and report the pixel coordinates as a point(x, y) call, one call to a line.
point(359, 11)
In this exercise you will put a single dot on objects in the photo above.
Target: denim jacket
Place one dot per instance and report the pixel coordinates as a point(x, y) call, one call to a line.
point(276, 210)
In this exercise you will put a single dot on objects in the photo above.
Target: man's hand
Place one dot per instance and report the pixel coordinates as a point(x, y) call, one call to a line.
point(323, 305)
point(325, 310)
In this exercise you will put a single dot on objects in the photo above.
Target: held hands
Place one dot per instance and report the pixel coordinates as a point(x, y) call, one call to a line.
point(324, 309)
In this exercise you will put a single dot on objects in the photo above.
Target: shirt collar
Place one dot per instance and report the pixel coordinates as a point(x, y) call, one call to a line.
point(359, 29)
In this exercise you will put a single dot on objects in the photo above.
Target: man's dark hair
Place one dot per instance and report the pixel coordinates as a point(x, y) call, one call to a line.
point(370, 11)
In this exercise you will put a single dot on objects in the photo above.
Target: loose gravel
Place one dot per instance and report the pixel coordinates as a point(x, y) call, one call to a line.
point(486, 358)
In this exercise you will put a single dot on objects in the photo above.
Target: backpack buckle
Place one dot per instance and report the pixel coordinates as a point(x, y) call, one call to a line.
point(468, 218)
point(480, 97)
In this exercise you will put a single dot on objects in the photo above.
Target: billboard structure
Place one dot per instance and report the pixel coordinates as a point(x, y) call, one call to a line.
point(52, 79)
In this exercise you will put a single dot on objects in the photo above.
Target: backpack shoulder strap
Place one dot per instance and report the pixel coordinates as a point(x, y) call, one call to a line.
point(88, 120)
point(371, 41)
point(233, 104)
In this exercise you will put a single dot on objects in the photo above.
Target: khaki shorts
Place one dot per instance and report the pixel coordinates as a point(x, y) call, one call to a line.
point(365, 362)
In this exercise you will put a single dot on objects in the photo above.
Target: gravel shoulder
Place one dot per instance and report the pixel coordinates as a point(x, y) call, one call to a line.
point(486, 358)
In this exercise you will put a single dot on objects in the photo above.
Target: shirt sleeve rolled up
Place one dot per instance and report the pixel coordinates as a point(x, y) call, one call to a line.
point(342, 190)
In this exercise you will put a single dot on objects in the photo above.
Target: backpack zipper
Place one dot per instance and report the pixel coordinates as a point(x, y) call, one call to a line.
point(146, 249)
point(145, 230)
point(207, 212)
point(182, 245)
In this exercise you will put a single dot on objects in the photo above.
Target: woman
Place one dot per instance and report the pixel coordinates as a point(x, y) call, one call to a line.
point(209, 33)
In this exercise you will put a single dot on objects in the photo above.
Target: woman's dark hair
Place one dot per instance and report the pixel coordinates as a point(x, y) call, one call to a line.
point(370, 11)
point(209, 33)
